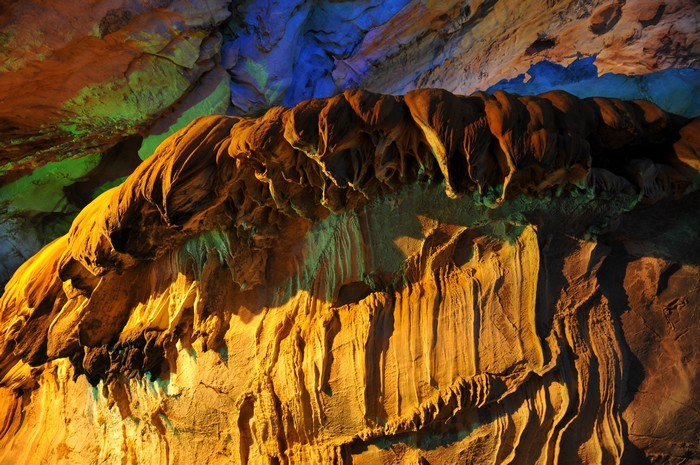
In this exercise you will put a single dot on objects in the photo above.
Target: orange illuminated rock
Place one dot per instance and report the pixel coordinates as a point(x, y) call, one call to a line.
point(465, 46)
point(427, 278)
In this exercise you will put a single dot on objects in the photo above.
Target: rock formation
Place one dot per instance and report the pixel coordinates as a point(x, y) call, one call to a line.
point(88, 89)
point(283, 52)
point(81, 84)
point(428, 278)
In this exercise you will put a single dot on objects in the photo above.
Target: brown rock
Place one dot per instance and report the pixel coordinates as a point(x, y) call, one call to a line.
point(50, 80)
point(373, 279)
point(605, 18)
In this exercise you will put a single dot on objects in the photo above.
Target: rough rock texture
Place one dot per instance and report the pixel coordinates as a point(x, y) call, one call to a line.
point(81, 83)
point(373, 279)
point(285, 51)
point(96, 71)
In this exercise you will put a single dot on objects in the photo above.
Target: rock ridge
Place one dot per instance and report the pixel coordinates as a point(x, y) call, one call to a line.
point(427, 277)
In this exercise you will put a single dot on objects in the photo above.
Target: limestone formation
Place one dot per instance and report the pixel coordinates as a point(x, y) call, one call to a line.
point(83, 84)
point(76, 79)
point(428, 278)
point(285, 51)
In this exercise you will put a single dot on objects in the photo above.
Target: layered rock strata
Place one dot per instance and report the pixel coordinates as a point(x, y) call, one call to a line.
point(81, 84)
point(282, 52)
point(76, 79)
point(373, 279)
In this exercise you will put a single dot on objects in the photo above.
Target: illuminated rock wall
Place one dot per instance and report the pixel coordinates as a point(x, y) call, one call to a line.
point(88, 89)
point(628, 49)
point(373, 279)
point(365, 279)
point(81, 84)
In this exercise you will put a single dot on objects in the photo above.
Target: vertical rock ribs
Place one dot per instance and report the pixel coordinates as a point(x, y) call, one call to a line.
point(361, 278)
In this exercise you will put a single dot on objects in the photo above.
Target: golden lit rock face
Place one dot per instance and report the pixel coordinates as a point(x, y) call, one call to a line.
point(373, 279)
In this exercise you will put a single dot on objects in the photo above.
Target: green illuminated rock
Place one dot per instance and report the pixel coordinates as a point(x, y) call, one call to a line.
point(80, 84)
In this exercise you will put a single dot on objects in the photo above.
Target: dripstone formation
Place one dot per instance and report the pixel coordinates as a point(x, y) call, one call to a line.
point(362, 279)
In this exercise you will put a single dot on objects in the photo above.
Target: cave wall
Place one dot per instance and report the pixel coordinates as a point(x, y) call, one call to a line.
point(356, 278)
point(90, 89)
point(421, 279)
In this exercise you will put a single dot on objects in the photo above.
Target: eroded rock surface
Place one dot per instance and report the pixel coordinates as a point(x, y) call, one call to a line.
point(79, 78)
point(82, 83)
point(373, 279)
point(283, 52)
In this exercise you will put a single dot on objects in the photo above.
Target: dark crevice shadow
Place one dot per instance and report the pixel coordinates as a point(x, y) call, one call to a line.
point(380, 331)
point(611, 275)
point(116, 162)
point(666, 229)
